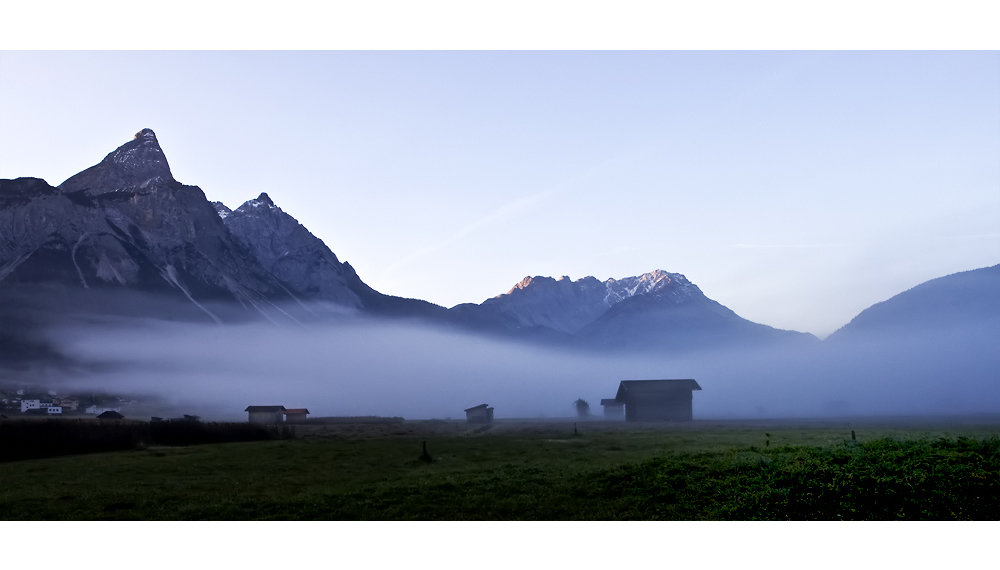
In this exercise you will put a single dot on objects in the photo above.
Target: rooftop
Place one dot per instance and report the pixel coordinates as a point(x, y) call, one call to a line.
point(649, 387)
point(270, 409)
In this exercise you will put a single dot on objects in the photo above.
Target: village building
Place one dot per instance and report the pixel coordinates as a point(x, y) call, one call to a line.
point(656, 400)
point(266, 414)
point(30, 405)
point(296, 415)
point(481, 414)
point(54, 410)
point(613, 409)
point(68, 404)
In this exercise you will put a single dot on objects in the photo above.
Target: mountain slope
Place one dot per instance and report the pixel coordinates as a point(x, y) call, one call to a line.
point(125, 223)
point(300, 260)
point(656, 311)
point(695, 322)
point(306, 267)
point(962, 300)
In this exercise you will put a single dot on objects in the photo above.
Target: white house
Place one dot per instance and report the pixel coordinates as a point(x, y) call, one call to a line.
point(54, 410)
point(30, 405)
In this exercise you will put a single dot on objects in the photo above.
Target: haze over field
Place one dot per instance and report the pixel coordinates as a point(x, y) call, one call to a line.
point(362, 367)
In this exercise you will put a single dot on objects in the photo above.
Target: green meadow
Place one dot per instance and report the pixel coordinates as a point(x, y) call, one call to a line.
point(914, 469)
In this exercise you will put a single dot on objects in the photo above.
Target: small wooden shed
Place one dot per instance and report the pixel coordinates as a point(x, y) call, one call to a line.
point(110, 415)
point(657, 400)
point(296, 415)
point(481, 414)
point(613, 409)
point(266, 414)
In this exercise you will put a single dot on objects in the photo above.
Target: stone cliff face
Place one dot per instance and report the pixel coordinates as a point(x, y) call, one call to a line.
point(306, 267)
point(126, 223)
point(291, 253)
point(137, 166)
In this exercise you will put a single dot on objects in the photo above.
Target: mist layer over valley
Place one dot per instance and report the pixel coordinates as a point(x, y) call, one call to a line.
point(361, 366)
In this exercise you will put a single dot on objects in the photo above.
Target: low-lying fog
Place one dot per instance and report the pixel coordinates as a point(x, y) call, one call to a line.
point(356, 368)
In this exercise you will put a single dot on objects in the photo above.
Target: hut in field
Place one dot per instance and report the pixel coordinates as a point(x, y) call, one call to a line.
point(110, 415)
point(656, 400)
point(296, 415)
point(266, 414)
point(613, 409)
point(481, 414)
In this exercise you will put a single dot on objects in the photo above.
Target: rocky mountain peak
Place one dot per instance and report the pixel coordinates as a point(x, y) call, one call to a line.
point(566, 306)
point(136, 166)
point(260, 204)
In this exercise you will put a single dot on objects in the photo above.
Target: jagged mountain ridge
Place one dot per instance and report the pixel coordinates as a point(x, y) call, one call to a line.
point(655, 311)
point(132, 167)
point(566, 306)
point(290, 252)
point(126, 223)
point(306, 266)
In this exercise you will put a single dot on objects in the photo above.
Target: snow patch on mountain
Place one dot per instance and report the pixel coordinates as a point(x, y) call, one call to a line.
point(567, 306)
point(221, 209)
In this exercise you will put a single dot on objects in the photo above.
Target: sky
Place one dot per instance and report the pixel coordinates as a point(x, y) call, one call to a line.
point(795, 187)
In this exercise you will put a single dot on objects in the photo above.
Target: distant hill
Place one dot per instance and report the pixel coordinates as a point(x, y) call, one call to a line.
point(967, 300)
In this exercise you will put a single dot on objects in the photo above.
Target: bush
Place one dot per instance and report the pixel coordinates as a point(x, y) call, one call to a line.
point(25, 439)
point(882, 479)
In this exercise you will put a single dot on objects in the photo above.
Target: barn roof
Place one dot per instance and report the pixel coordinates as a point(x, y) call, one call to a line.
point(265, 409)
point(650, 387)
point(480, 406)
point(110, 415)
point(296, 411)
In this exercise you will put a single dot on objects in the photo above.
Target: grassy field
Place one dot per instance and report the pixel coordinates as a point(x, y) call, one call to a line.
point(908, 469)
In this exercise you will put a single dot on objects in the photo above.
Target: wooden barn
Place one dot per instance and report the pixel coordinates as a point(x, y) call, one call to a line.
point(110, 415)
point(656, 400)
point(481, 414)
point(296, 415)
point(266, 414)
point(613, 409)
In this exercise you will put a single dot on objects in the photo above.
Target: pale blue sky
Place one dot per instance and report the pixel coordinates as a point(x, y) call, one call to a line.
point(796, 188)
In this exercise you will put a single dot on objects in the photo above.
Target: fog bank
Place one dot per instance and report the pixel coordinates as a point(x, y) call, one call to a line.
point(360, 367)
